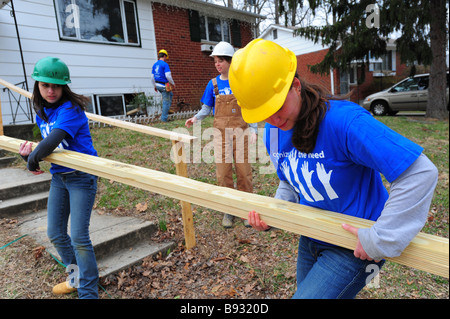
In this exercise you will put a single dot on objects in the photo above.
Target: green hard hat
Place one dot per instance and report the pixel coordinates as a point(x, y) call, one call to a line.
point(51, 70)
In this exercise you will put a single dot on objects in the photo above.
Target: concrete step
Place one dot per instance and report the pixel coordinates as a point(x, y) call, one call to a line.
point(119, 242)
point(17, 182)
point(5, 161)
point(22, 192)
point(18, 206)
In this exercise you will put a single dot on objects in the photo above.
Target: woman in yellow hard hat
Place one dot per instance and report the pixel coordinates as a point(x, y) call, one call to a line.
point(329, 154)
point(63, 124)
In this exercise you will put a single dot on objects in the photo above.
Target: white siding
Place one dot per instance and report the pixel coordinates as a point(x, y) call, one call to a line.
point(286, 39)
point(95, 68)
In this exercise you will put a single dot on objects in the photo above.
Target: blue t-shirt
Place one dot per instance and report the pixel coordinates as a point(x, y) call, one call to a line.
point(75, 123)
point(159, 70)
point(342, 173)
point(209, 96)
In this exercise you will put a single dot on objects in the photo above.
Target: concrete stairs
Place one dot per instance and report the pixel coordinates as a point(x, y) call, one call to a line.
point(119, 242)
point(21, 192)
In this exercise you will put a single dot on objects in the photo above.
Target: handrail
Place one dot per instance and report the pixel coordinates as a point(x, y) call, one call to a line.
point(174, 136)
point(425, 252)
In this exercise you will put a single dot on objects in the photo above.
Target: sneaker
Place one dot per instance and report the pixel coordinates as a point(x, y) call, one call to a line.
point(63, 288)
point(227, 221)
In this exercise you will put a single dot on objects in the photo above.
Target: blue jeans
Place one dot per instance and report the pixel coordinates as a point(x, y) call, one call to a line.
point(330, 272)
point(73, 195)
point(167, 102)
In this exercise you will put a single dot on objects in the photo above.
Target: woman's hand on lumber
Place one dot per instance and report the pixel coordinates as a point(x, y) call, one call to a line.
point(255, 221)
point(25, 148)
point(359, 251)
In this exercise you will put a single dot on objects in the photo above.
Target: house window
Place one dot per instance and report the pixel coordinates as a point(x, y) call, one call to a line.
point(110, 105)
point(352, 74)
point(275, 34)
point(100, 21)
point(384, 65)
point(214, 29)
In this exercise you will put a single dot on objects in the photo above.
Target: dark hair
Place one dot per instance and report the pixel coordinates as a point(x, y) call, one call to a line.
point(39, 102)
point(314, 106)
point(225, 57)
point(161, 55)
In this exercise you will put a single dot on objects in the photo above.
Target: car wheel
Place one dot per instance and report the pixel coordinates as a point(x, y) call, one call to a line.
point(379, 108)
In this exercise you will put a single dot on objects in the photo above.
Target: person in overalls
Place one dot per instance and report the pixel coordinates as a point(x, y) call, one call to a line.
point(231, 131)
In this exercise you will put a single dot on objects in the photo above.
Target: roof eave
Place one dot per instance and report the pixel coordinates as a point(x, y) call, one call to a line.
point(212, 9)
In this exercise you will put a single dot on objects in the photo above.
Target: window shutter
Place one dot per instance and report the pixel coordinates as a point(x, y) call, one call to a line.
point(236, 33)
point(194, 25)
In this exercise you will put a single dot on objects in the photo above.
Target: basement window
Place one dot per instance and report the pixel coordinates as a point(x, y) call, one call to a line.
point(111, 104)
point(99, 21)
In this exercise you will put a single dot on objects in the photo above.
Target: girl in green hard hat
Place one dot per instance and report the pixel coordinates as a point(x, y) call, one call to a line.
point(63, 124)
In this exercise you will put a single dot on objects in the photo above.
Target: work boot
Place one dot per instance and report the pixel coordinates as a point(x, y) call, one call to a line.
point(227, 221)
point(63, 288)
point(246, 224)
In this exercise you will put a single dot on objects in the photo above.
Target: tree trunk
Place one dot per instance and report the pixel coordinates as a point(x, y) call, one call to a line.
point(437, 103)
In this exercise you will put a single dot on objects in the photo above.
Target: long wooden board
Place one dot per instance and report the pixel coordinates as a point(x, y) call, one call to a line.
point(127, 125)
point(426, 252)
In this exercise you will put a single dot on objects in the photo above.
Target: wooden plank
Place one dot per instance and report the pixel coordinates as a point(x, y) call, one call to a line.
point(142, 128)
point(174, 136)
point(15, 88)
point(426, 252)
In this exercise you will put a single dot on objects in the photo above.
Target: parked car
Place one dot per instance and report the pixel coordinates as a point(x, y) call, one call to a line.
point(410, 94)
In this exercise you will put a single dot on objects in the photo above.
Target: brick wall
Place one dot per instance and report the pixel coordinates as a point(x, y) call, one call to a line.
point(372, 85)
point(191, 68)
point(308, 59)
point(358, 92)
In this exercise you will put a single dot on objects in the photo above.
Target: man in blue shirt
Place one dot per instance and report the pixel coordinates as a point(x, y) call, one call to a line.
point(162, 80)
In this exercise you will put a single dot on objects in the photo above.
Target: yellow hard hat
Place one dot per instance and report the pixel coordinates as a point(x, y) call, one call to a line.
point(164, 51)
point(260, 77)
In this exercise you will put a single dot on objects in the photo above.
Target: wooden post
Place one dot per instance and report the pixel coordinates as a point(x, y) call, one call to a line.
point(178, 149)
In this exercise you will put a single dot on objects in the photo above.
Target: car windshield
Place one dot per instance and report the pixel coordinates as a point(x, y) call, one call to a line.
point(413, 84)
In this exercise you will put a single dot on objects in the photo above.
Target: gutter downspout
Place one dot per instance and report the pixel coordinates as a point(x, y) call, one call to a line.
point(332, 81)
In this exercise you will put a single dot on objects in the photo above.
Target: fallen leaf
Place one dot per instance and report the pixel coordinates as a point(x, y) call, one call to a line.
point(230, 292)
point(38, 252)
point(146, 273)
point(244, 259)
point(141, 207)
point(121, 279)
point(249, 287)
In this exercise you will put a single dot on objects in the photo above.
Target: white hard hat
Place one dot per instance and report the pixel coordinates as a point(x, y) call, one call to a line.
point(223, 49)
